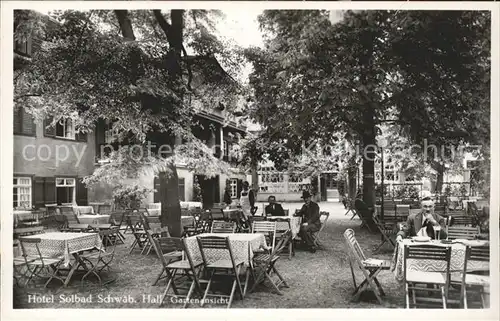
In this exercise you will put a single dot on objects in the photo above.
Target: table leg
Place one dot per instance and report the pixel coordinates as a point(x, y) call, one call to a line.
point(78, 262)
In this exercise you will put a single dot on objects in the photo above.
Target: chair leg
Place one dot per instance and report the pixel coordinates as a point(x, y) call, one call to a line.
point(207, 289)
point(407, 293)
point(159, 276)
point(444, 297)
point(280, 277)
point(273, 284)
point(233, 289)
point(188, 296)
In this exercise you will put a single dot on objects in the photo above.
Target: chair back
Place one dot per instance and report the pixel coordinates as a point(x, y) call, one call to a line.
point(108, 239)
point(462, 232)
point(428, 252)
point(478, 253)
point(355, 251)
point(402, 210)
point(283, 241)
point(462, 220)
point(323, 217)
point(215, 243)
point(25, 231)
point(164, 245)
point(30, 249)
point(267, 228)
point(223, 227)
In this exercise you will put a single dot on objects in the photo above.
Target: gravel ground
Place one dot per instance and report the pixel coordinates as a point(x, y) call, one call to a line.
point(319, 280)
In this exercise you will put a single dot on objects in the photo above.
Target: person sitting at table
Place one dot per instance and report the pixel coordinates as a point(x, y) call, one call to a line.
point(273, 209)
point(310, 221)
point(423, 222)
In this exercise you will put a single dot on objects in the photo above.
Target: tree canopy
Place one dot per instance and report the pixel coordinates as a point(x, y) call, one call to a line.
point(426, 72)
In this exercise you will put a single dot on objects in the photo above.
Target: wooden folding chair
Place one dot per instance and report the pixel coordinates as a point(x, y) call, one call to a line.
point(222, 267)
point(76, 228)
point(414, 278)
point(171, 266)
point(217, 214)
point(265, 262)
point(282, 226)
point(462, 220)
point(117, 219)
point(100, 260)
point(36, 263)
point(462, 232)
point(266, 228)
point(323, 217)
point(223, 227)
point(387, 231)
point(370, 267)
point(474, 283)
point(134, 223)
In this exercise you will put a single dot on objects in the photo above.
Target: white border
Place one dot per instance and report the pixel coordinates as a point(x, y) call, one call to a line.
point(6, 165)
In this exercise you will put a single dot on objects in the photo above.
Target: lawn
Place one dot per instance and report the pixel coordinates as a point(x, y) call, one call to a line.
point(319, 280)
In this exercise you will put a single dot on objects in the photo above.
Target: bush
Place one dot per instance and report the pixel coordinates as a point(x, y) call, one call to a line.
point(130, 196)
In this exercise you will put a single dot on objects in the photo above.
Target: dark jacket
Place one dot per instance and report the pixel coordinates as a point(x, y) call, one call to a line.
point(310, 214)
point(276, 211)
point(414, 224)
point(227, 197)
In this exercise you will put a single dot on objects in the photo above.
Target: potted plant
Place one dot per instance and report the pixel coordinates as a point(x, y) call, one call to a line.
point(130, 196)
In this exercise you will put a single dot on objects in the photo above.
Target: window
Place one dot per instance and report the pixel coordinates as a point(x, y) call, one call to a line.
point(65, 129)
point(182, 189)
point(108, 132)
point(24, 123)
point(22, 192)
point(234, 188)
point(65, 190)
point(23, 47)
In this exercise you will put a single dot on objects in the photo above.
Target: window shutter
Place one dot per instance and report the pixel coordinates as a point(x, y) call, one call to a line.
point(156, 196)
point(81, 192)
point(239, 186)
point(49, 132)
point(50, 190)
point(28, 123)
point(38, 192)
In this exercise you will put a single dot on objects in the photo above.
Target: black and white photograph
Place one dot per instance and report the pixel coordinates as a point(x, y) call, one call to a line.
point(254, 155)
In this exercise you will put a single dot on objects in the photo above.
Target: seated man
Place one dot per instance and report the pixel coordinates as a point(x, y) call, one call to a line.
point(273, 209)
point(310, 221)
point(423, 222)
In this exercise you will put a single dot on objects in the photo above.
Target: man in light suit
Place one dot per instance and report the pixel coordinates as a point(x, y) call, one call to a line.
point(421, 223)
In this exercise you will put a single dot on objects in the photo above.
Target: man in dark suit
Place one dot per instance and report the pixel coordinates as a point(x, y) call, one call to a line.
point(310, 221)
point(423, 222)
point(274, 209)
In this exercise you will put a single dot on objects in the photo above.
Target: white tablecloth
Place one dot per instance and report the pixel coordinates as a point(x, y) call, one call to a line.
point(294, 223)
point(93, 219)
point(242, 244)
point(456, 264)
point(63, 244)
point(82, 210)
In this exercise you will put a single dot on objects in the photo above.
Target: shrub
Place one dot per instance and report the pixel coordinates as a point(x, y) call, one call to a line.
point(130, 196)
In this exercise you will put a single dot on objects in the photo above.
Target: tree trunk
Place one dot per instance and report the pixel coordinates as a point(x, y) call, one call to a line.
point(170, 205)
point(169, 190)
point(369, 161)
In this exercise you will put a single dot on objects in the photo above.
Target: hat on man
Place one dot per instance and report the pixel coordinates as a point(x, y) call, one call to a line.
point(305, 194)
